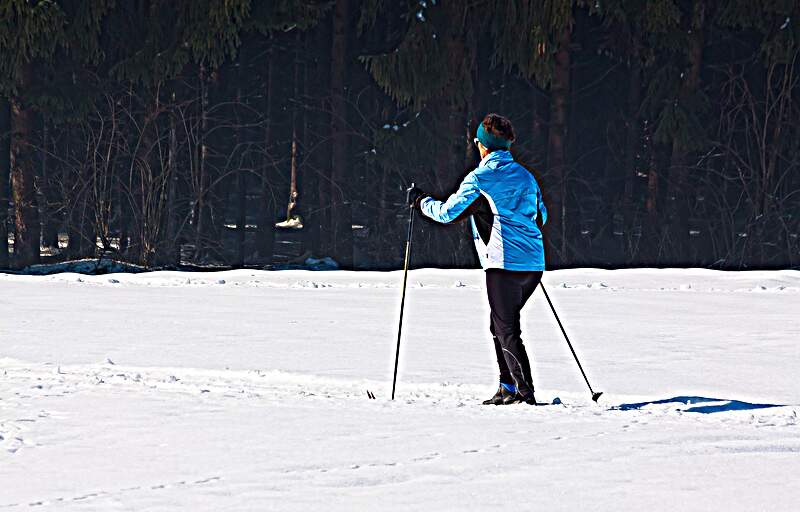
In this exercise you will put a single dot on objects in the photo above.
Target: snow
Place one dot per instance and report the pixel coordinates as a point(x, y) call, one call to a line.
point(247, 390)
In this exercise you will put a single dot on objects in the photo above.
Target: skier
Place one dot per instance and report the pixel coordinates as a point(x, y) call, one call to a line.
point(503, 202)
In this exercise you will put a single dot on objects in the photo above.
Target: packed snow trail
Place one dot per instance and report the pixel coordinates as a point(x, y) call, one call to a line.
point(247, 391)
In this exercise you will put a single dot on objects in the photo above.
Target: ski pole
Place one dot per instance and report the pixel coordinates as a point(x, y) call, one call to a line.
point(405, 279)
point(595, 396)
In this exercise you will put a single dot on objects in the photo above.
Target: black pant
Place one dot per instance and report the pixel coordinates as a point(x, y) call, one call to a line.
point(508, 292)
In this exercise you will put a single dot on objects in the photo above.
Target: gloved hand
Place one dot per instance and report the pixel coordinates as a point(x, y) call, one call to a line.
point(414, 195)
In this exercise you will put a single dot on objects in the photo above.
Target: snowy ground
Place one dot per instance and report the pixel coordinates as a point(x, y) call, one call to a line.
point(246, 390)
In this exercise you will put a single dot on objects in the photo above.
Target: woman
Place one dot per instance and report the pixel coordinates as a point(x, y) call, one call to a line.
point(503, 202)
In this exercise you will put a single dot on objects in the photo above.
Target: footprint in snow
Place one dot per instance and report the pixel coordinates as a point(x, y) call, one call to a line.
point(426, 458)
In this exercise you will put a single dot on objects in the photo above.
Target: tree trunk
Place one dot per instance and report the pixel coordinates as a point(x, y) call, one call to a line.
point(653, 252)
point(241, 178)
point(5, 170)
point(309, 179)
point(556, 151)
point(678, 193)
point(241, 217)
point(632, 138)
point(316, 181)
point(75, 225)
point(201, 210)
point(265, 238)
point(124, 214)
point(49, 222)
point(23, 175)
point(172, 245)
point(481, 54)
point(342, 217)
point(465, 257)
point(293, 194)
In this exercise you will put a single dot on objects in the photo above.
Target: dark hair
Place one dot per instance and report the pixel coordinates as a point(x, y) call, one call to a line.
point(498, 126)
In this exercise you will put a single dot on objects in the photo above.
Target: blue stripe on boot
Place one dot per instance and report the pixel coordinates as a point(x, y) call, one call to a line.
point(511, 388)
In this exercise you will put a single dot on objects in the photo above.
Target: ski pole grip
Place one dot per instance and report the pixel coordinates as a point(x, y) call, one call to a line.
point(409, 191)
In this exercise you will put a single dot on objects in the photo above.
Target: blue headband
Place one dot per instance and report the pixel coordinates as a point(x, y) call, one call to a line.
point(492, 142)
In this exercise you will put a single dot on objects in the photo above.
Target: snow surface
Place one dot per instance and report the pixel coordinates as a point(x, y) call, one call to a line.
point(246, 390)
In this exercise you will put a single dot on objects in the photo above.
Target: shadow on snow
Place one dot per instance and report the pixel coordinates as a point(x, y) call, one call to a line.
point(699, 404)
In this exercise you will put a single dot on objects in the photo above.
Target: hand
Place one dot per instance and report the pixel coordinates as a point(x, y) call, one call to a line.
point(414, 195)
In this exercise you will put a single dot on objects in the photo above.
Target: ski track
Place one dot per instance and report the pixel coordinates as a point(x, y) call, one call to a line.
point(61, 501)
point(25, 384)
point(30, 381)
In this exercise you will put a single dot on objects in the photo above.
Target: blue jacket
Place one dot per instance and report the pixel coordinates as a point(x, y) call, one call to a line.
point(505, 233)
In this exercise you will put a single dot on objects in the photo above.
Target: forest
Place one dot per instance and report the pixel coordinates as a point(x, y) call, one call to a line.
point(262, 133)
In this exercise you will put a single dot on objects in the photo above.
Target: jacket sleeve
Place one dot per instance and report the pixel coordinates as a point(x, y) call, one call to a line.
point(447, 211)
point(542, 208)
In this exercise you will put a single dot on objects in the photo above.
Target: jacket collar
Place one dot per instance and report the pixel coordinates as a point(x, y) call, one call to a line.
point(498, 155)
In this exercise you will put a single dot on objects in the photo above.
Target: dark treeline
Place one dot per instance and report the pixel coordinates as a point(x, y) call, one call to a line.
point(263, 132)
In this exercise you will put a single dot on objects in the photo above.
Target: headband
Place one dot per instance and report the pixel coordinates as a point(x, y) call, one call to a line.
point(490, 141)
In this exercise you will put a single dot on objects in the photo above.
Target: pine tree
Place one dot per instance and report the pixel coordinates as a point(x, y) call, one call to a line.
point(634, 35)
point(29, 32)
point(535, 37)
point(33, 34)
point(340, 179)
point(689, 104)
point(429, 74)
point(5, 174)
point(674, 115)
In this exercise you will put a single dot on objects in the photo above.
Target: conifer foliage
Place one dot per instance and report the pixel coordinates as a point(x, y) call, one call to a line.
point(243, 132)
